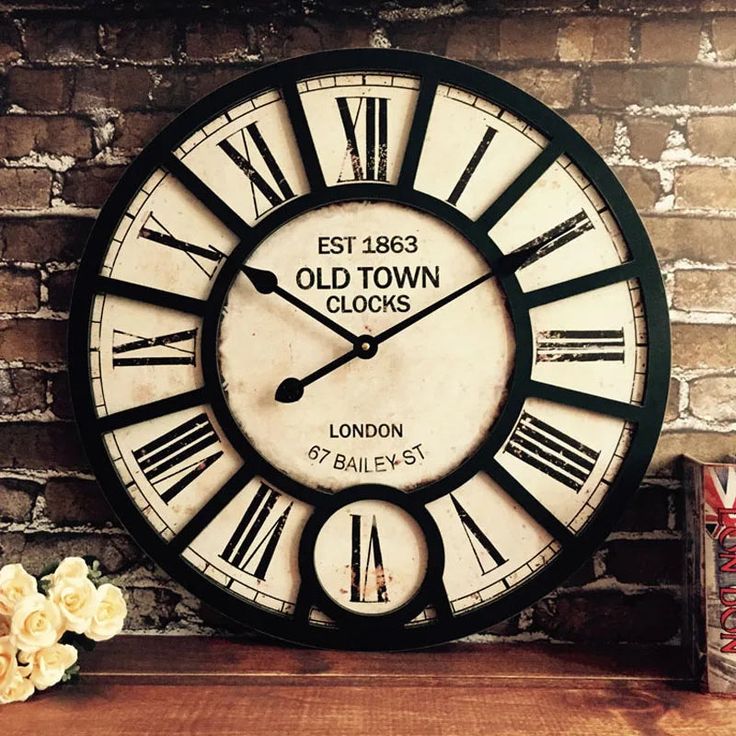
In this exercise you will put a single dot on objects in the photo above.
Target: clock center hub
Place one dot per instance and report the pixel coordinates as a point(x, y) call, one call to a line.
point(345, 356)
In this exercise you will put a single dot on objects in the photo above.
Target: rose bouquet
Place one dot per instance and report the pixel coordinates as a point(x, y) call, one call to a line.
point(44, 622)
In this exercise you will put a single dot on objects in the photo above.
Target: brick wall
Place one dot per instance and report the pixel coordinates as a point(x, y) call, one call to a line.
point(84, 86)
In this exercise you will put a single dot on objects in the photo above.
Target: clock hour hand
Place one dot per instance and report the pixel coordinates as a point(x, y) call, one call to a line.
point(266, 282)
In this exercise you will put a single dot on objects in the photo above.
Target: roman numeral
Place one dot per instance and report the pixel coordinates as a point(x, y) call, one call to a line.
point(580, 346)
point(554, 238)
point(359, 590)
point(486, 554)
point(370, 115)
point(264, 196)
point(553, 452)
point(176, 348)
point(469, 170)
point(175, 459)
point(250, 548)
point(205, 259)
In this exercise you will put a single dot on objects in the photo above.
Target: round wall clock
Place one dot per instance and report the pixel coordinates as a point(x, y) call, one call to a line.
point(368, 349)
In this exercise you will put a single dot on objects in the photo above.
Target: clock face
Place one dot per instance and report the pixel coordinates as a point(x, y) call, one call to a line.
point(368, 349)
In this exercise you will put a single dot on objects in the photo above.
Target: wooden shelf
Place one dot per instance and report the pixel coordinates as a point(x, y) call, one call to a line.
point(189, 685)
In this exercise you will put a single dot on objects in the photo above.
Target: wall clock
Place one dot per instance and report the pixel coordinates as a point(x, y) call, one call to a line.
point(368, 349)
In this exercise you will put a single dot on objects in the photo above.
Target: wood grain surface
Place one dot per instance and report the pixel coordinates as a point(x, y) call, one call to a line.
point(188, 685)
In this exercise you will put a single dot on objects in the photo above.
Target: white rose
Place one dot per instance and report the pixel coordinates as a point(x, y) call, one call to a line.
point(110, 614)
point(70, 567)
point(36, 624)
point(47, 666)
point(15, 584)
point(17, 690)
point(77, 600)
point(8, 662)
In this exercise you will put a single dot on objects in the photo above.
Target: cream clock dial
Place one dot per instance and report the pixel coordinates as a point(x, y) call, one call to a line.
point(368, 349)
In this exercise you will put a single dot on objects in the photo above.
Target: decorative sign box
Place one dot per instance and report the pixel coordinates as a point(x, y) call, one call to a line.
point(709, 631)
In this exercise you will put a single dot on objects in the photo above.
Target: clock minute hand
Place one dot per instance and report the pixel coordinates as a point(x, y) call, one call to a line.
point(266, 282)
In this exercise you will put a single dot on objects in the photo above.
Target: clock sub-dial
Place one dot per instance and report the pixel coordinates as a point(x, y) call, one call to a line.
point(406, 410)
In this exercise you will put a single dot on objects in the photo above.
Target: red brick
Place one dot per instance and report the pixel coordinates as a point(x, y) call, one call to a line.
point(59, 285)
point(670, 39)
point(708, 187)
point(609, 616)
point(17, 497)
point(21, 134)
point(61, 398)
point(703, 346)
point(90, 186)
point(648, 510)
point(528, 37)
point(10, 48)
point(75, 501)
point(591, 38)
point(218, 39)
point(140, 40)
point(125, 88)
point(281, 40)
point(724, 37)
point(25, 189)
point(712, 135)
point(41, 446)
point(555, 87)
point(43, 239)
point(700, 239)
point(40, 89)
point(469, 38)
point(706, 446)
point(642, 185)
point(179, 88)
point(19, 290)
point(598, 130)
point(645, 561)
point(33, 340)
point(705, 291)
point(61, 40)
point(22, 390)
point(134, 130)
point(648, 137)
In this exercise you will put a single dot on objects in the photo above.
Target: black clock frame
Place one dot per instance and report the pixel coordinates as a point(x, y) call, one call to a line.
point(431, 70)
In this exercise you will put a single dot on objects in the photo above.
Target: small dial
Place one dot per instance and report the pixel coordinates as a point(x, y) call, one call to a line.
point(369, 349)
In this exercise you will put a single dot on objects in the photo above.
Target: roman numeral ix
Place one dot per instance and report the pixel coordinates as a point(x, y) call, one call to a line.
point(365, 124)
point(253, 544)
point(176, 348)
point(554, 453)
point(239, 148)
point(581, 346)
point(555, 238)
point(360, 591)
point(486, 554)
point(205, 259)
point(175, 459)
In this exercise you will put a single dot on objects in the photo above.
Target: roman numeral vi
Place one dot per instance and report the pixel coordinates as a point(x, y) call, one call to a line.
point(360, 592)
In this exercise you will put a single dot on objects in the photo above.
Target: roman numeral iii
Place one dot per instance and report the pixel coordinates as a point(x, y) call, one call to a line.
point(361, 590)
point(205, 259)
point(554, 453)
point(253, 543)
point(486, 554)
point(365, 124)
point(175, 459)
point(240, 148)
point(176, 348)
point(581, 346)
point(555, 238)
